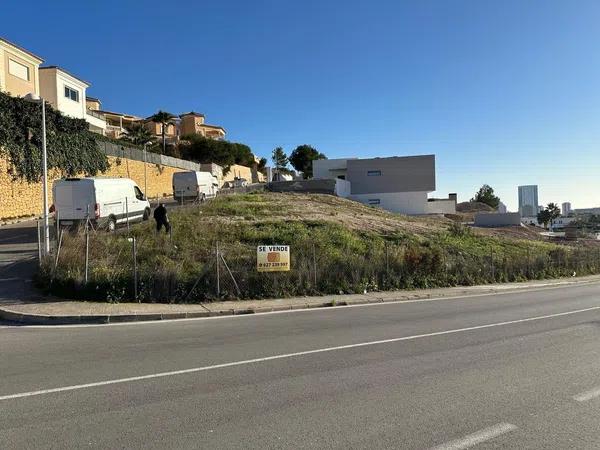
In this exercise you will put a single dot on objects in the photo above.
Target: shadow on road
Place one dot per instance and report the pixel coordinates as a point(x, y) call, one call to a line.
point(18, 261)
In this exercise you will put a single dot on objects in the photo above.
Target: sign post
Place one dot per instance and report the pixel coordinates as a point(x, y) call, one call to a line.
point(273, 258)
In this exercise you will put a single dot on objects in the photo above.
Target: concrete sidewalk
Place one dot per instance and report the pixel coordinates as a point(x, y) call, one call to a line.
point(50, 312)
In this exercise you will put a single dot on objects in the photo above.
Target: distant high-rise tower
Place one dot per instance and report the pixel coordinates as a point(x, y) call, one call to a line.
point(566, 208)
point(502, 208)
point(528, 200)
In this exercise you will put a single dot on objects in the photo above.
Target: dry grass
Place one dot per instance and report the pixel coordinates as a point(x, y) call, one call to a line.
point(254, 208)
point(338, 246)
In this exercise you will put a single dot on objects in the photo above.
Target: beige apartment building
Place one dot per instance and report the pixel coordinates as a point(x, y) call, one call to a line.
point(189, 123)
point(193, 123)
point(186, 124)
point(19, 70)
point(116, 123)
point(171, 130)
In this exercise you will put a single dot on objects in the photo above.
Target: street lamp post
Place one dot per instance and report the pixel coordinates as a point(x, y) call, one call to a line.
point(145, 177)
point(37, 99)
point(145, 164)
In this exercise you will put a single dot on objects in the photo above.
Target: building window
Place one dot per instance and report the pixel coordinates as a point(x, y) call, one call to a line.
point(18, 70)
point(374, 173)
point(374, 201)
point(72, 94)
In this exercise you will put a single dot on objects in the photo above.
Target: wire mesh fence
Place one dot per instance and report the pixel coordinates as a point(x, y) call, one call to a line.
point(147, 266)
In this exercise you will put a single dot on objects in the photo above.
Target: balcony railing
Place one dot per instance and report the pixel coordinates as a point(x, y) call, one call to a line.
point(95, 114)
point(115, 131)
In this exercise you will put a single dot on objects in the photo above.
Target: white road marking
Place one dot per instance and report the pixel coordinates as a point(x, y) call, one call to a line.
point(588, 395)
point(527, 290)
point(478, 437)
point(287, 355)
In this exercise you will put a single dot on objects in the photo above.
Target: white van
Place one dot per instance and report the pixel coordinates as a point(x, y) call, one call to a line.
point(108, 201)
point(194, 186)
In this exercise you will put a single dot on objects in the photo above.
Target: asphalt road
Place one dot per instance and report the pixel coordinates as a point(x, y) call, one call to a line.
point(18, 259)
point(498, 371)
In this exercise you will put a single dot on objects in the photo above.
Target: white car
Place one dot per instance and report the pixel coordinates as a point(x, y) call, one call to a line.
point(107, 202)
point(239, 182)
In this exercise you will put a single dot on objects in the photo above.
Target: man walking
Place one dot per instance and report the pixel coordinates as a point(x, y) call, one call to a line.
point(160, 215)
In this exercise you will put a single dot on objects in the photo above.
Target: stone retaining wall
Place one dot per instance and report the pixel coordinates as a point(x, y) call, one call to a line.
point(22, 199)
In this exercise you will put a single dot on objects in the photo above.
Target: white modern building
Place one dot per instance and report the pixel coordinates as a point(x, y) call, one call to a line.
point(561, 222)
point(566, 209)
point(528, 200)
point(398, 184)
point(67, 93)
point(502, 208)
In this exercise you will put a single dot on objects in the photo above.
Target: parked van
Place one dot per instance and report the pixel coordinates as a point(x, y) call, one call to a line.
point(236, 183)
point(194, 186)
point(108, 201)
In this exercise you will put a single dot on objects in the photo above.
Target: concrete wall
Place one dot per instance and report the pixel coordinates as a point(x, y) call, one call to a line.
point(311, 186)
point(497, 220)
point(396, 174)
point(20, 198)
point(343, 188)
point(239, 171)
point(441, 206)
point(410, 203)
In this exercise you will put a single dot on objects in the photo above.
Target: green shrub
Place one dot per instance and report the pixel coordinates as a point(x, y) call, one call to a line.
point(71, 148)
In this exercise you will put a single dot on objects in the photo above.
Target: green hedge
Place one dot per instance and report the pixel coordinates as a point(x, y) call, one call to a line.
point(71, 148)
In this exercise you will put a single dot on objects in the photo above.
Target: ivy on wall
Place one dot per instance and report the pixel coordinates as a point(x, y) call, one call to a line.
point(71, 148)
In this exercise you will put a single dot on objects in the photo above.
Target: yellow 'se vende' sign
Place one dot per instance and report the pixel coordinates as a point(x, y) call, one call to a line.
point(273, 258)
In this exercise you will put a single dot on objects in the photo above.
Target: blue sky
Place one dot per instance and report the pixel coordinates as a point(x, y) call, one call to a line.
point(502, 92)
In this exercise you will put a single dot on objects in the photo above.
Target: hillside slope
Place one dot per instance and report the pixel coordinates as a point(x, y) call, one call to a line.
point(269, 206)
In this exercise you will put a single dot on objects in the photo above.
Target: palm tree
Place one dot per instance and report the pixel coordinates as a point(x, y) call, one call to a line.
point(164, 118)
point(138, 134)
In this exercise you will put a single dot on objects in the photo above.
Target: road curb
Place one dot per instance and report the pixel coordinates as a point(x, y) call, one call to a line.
point(40, 319)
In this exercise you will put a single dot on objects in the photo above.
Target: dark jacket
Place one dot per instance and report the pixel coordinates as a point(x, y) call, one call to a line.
point(160, 214)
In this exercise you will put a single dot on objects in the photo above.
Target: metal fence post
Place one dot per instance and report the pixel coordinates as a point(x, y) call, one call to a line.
point(39, 243)
point(127, 212)
point(87, 247)
point(492, 264)
point(58, 249)
point(135, 272)
point(315, 264)
point(218, 274)
point(387, 260)
point(57, 224)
